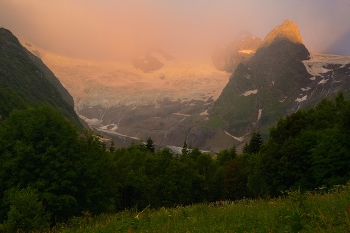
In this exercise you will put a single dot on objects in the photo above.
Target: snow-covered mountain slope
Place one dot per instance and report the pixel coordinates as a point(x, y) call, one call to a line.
point(317, 63)
point(110, 84)
point(168, 104)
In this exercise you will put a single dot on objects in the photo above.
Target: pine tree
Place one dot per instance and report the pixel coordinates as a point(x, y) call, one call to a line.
point(255, 143)
point(185, 148)
point(233, 151)
point(112, 148)
point(150, 145)
point(246, 149)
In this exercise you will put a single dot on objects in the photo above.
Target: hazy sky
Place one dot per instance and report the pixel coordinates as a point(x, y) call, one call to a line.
point(118, 29)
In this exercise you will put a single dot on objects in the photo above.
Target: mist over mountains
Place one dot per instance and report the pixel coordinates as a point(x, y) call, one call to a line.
point(160, 96)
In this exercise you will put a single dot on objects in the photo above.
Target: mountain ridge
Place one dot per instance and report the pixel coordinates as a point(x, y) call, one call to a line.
point(30, 79)
point(288, 30)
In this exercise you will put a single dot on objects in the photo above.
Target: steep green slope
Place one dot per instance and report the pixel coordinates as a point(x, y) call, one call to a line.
point(51, 77)
point(30, 79)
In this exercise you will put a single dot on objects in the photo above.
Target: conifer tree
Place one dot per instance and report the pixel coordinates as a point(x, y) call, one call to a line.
point(233, 151)
point(185, 148)
point(255, 143)
point(246, 148)
point(150, 145)
point(112, 148)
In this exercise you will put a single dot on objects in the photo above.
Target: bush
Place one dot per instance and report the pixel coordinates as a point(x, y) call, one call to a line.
point(27, 212)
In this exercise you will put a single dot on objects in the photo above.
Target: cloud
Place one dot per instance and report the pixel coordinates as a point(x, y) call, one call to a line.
point(108, 29)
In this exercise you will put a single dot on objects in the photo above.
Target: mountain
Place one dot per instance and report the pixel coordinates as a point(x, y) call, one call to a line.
point(279, 79)
point(196, 102)
point(130, 104)
point(288, 30)
point(227, 58)
point(35, 58)
point(24, 76)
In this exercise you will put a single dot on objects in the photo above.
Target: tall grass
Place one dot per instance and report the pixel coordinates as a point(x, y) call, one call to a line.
point(321, 211)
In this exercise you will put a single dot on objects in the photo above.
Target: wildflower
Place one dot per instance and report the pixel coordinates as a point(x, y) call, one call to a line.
point(339, 213)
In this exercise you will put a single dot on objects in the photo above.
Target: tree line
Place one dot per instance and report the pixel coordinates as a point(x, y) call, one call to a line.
point(58, 171)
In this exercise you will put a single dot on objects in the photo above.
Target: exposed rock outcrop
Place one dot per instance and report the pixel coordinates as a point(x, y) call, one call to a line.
point(151, 61)
point(275, 73)
point(288, 30)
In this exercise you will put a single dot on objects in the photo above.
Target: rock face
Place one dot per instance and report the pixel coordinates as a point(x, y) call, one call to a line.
point(227, 58)
point(263, 89)
point(288, 30)
point(278, 80)
point(151, 60)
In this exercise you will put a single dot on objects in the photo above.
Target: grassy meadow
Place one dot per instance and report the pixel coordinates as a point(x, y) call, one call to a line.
point(321, 211)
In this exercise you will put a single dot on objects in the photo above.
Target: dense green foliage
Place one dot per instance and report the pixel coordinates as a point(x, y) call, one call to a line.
point(26, 211)
point(68, 174)
point(9, 101)
point(307, 149)
point(40, 149)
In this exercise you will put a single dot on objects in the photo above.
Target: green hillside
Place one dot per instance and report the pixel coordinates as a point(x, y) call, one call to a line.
point(322, 211)
point(25, 75)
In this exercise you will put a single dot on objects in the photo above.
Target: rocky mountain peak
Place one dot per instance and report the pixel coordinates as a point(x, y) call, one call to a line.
point(287, 30)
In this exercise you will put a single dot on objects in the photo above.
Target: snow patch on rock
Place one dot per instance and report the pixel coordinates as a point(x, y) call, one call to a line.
point(315, 65)
point(323, 81)
point(118, 134)
point(281, 101)
point(250, 92)
point(301, 99)
point(246, 51)
point(181, 114)
point(306, 89)
point(259, 114)
point(104, 127)
point(93, 121)
point(205, 113)
point(240, 139)
point(115, 127)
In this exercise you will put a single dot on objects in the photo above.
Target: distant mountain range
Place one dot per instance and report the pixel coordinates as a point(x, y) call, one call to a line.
point(173, 101)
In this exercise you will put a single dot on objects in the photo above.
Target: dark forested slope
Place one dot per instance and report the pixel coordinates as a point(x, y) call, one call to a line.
point(24, 75)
